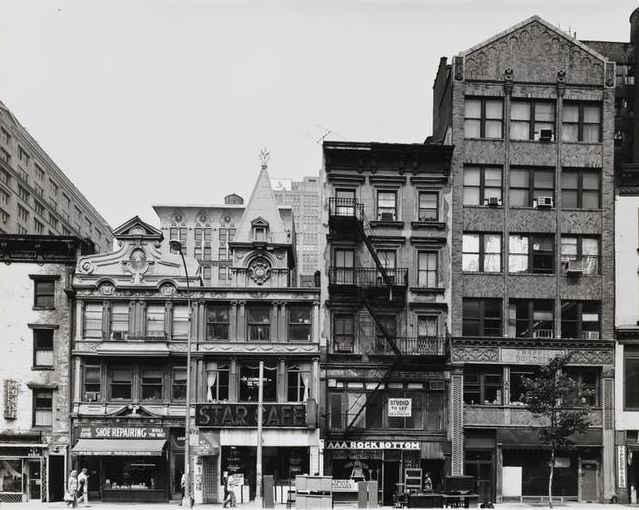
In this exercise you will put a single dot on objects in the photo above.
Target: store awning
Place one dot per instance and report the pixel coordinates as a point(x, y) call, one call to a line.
point(432, 450)
point(524, 439)
point(121, 447)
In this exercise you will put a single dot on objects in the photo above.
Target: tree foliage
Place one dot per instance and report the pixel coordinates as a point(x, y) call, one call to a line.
point(561, 402)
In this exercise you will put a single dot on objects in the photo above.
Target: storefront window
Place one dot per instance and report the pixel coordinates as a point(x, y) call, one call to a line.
point(121, 382)
point(141, 473)
point(11, 475)
point(217, 381)
point(152, 384)
point(298, 384)
point(249, 382)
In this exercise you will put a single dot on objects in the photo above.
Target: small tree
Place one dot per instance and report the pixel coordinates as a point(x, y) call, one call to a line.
point(561, 402)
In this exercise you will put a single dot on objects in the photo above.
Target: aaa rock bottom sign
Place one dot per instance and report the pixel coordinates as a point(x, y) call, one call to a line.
point(245, 415)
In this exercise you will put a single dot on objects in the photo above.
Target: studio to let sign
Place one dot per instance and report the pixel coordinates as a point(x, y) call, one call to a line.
point(245, 415)
point(121, 432)
point(400, 407)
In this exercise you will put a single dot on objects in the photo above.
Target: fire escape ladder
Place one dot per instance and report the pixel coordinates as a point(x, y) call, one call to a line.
point(371, 397)
point(390, 340)
point(366, 233)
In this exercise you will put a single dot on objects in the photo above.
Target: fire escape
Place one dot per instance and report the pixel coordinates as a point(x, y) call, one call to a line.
point(375, 288)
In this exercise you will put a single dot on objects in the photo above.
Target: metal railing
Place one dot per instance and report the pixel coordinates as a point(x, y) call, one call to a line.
point(414, 346)
point(367, 277)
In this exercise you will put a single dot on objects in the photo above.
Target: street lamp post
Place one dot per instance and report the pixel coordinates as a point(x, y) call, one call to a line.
point(177, 246)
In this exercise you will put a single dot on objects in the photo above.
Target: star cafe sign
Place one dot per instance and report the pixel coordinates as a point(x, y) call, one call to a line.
point(373, 445)
point(245, 415)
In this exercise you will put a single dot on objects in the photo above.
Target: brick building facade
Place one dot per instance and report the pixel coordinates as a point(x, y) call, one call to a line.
point(530, 112)
point(35, 320)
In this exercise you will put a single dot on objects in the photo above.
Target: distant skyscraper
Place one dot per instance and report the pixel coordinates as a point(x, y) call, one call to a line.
point(304, 198)
point(36, 198)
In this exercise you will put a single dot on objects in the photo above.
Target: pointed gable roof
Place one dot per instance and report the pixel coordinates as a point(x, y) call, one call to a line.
point(262, 205)
point(522, 47)
point(136, 228)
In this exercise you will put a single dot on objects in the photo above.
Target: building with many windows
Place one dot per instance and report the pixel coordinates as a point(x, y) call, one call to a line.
point(36, 197)
point(530, 112)
point(385, 316)
point(304, 199)
point(35, 320)
point(129, 355)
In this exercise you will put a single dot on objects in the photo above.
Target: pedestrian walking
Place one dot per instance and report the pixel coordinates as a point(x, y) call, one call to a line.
point(83, 487)
point(72, 487)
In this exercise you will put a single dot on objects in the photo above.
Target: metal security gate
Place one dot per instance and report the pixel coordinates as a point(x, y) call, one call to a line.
point(210, 479)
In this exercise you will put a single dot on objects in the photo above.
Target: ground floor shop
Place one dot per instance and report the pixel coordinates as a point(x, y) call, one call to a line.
point(513, 465)
point(129, 461)
point(386, 462)
point(232, 453)
point(31, 471)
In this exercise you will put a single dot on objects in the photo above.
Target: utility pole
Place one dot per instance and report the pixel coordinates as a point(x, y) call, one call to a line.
point(260, 415)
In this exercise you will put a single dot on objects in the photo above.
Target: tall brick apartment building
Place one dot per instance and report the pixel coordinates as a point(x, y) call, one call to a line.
point(530, 112)
point(385, 316)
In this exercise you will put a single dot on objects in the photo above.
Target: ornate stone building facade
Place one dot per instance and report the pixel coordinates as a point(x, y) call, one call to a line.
point(385, 317)
point(531, 115)
point(133, 322)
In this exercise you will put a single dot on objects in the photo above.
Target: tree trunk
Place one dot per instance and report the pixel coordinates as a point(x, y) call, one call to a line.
point(552, 472)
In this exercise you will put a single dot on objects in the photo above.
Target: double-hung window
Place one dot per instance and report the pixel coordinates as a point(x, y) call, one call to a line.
point(427, 269)
point(389, 323)
point(43, 292)
point(482, 185)
point(582, 251)
point(178, 383)
point(481, 317)
point(531, 253)
point(580, 188)
point(217, 381)
point(155, 320)
point(217, 321)
point(528, 185)
point(344, 267)
point(152, 378)
point(483, 117)
point(482, 386)
point(300, 322)
point(428, 206)
point(532, 318)
point(481, 252)
point(343, 333)
point(259, 323)
point(180, 322)
point(93, 320)
point(121, 383)
point(581, 122)
point(92, 382)
point(631, 377)
point(529, 118)
point(42, 407)
point(298, 383)
point(43, 347)
point(119, 320)
point(387, 205)
point(581, 319)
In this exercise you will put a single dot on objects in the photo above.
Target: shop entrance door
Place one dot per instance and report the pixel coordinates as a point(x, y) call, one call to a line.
point(56, 477)
point(589, 491)
point(391, 478)
point(32, 479)
point(479, 464)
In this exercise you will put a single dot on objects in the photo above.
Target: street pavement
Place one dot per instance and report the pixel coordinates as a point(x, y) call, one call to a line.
point(252, 506)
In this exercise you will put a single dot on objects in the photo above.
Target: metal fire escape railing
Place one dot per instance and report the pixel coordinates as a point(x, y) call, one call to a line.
point(348, 208)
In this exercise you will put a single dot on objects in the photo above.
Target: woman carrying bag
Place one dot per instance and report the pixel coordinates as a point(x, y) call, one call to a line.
point(70, 496)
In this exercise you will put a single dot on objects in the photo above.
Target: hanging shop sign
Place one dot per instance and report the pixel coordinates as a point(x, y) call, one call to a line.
point(400, 407)
point(373, 445)
point(115, 432)
point(621, 467)
point(245, 415)
point(10, 399)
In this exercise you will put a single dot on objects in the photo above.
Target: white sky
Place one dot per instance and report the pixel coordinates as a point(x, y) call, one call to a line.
point(156, 101)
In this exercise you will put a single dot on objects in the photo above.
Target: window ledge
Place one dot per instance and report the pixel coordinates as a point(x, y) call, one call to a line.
point(439, 225)
point(387, 224)
point(41, 308)
point(42, 368)
point(485, 139)
point(500, 273)
point(428, 290)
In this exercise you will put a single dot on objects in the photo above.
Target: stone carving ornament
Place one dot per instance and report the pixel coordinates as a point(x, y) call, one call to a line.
point(259, 270)
point(138, 264)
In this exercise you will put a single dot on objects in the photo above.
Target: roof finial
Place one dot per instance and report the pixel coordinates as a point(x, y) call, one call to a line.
point(265, 157)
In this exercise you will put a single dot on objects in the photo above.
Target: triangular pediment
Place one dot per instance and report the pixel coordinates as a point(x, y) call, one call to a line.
point(534, 51)
point(259, 222)
point(136, 228)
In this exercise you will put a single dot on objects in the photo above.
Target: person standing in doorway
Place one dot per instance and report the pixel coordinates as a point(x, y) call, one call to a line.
point(83, 486)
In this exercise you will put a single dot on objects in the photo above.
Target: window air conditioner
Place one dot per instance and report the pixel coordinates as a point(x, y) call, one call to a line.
point(574, 267)
point(544, 202)
point(545, 135)
point(387, 216)
point(492, 202)
point(118, 335)
point(91, 396)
